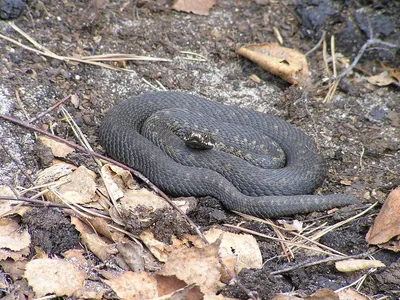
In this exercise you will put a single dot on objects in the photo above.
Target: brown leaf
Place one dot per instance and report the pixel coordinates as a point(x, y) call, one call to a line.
point(387, 222)
point(289, 64)
point(80, 187)
point(381, 79)
point(198, 266)
point(352, 265)
point(57, 148)
point(11, 237)
point(132, 254)
point(95, 243)
point(198, 7)
point(323, 294)
point(53, 276)
point(169, 284)
point(351, 294)
point(236, 250)
point(10, 207)
point(134, 285)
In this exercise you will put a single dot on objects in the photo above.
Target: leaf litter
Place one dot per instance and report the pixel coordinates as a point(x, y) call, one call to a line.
point(106, 239)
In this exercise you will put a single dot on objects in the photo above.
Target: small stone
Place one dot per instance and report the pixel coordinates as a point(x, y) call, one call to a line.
point(11, 9)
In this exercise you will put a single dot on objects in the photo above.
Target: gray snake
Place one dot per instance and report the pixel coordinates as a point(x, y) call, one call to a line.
point(238, 184)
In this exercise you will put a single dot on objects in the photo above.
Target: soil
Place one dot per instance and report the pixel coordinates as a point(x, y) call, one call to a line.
point(357, 132)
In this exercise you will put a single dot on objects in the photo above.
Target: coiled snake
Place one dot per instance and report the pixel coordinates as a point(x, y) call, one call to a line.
point(240, 179)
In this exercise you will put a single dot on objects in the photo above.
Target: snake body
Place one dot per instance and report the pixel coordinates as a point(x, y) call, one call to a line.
point(240, 185)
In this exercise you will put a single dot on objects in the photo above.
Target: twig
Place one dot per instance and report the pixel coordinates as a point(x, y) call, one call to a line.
point(50, 109)
point(92, 60)
point(16, 163)
point(326, 230)
point(134, 172)
point(310, 264)
point(361, 52)
point(34, 201)
point(317, 45)
point(279, 240)
point(291, 232)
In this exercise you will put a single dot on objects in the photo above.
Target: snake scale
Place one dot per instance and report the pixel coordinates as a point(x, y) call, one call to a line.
point(240, 185)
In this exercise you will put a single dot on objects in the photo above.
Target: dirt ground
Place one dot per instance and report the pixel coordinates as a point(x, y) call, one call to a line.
point(358, 132)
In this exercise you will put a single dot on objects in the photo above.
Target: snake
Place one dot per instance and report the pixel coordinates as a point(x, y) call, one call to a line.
point(147, 133)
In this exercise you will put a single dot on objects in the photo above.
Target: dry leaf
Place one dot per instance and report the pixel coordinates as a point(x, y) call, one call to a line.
point(395, 73)
point(198, 266)
point(296, 225)
point(14, 242)
point(160, 250)
point(15, 269)
point(286, 297)
point(168, 285)
point(236, 250)
point(53, 276)
point(382, 79)
point(142, 197)
point(53, 173)
point(80, 187)
point(289, 64)
point(12, 237)
point(352, 265)
point(262, 2)
point(350, 294)
point(10, 207)
point(95, 243)
point(387, 222)
point(132, 254)
point(102, 227)
point(57, 148)
point(324, 294)
point(123, 190)
point(134, 285)
point(198, 7)
point(74, 101)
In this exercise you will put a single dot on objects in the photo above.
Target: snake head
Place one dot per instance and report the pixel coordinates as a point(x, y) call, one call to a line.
point(198, 139)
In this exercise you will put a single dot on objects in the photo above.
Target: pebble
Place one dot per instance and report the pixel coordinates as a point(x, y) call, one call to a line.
point(11, 9)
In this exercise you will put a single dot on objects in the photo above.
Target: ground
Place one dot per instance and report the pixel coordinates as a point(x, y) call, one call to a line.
point(357, 132)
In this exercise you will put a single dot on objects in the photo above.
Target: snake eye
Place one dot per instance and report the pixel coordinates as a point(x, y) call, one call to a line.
point(198, 139)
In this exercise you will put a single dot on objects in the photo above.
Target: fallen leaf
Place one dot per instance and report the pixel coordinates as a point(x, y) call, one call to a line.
point(159, 249)
point(57, 148)
point(352, 265)
point(194, 265)
point(132, 254)
point(289, 64)
point(381, 79)
point(79, 187)
point(286, 297)
point(168, 285)
point(350, 294)
point(262, 2)
point(296, 225)
point(345, 182)
point(395, 73)
point(94, 242)
point(12, 237)
point(53, 173)
point(54, 276)
point(237, 251)
point(323, 294)
point(10, 207)
point(14, 269)
point(198, 7)
point(387, 222)
point(134, 285)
